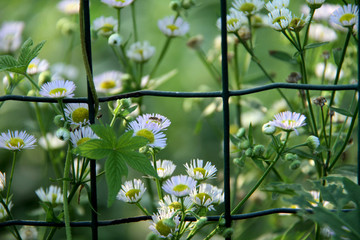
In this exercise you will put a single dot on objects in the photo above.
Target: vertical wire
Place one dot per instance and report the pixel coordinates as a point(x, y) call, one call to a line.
point(93, 198)
point(226, 114)
point(358, 91)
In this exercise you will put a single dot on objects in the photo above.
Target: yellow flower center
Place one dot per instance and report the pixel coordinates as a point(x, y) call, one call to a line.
point(200, 170)
point(247, 7)
point(160, 169)
point(175, 205)
point(203, 197)
point(32, 65)
point(53, 197)
point(81, 141)
point(132, 193)
point(108, 84)
point(288, 122)
point(278, 20)
point(180, 187)
point(347, 17)
point(107, 27)
point(163, 229)
point(80, 115)
point(120, 1)
point(232, 21)
point(146, 134)
point(16, 142)
point(58, 91)
point(172, 27)
point(140, 51)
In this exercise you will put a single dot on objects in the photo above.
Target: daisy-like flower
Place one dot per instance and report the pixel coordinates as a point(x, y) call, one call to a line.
point(69, 6)
point(277, 4)
point(28, 233)
point(288, 121)
point(179, 186)
point(131, 191)
point(345, 16)
point(234, 21)
point(117, 3)
point(77, 113)
point(206, 195)
point(321, 33)
point(198, 171)
point(298, 23)
point(157, 139)
point(174, 203)
point(164, 168)
point(58, 89)
point(17, 140)
point(51, 195)
point(172, 27)
point(82, 135)
point(140, 51)
point(160, 228)
point(105, 26)
point(279, 19)
point(10, 36)
point(3, 212)
point(158, 121)
point(37, 65)
point(249, 7)
point(2, 181)
point(109, 82)
point(314, 4)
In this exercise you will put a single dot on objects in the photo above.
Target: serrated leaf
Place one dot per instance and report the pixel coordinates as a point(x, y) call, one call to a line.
point(93, 149)
point(345, 170)
point(353, 190)
point(283, 56)
point(128, 142)
point(342, 111)
point(27, 54)
point(139, 162)
point(299, 231)
point(115, 170)
point(105, 132)
point(315, 45)
point(9, 63)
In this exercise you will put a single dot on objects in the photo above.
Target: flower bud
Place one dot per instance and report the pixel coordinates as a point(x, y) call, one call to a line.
point(44, 77)
point(245, 144)
point(295, 165)
point(240, 133)
point(63, 134)
point(240, 162)
point(187, 4)
point(259, 150)
point(59, 120)
point(115, 40)
point(125, 102)
point(291, 157)
point(268, 129)
point(169, 223)
point(249, 152)
point(174, 5)
point(313, 142)
point(195, 42)
point(227, 232)
point(315, 4)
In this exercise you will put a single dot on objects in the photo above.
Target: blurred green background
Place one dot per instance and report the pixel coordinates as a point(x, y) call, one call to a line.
point(189, 136)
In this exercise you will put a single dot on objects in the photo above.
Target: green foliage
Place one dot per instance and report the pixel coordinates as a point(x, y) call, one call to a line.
point(299, 231)
point(283, 56)
point(27, 53)
point(315, 45)
point(119, 152)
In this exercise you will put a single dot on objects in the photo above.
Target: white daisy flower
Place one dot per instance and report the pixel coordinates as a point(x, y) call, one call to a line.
point(234, 21)
point(204, 196)
point(37, 65)
point(158, 121)
point(298, 23)
point(249, 7)
point(28, 233)
point(2, 181)
point(321, 14)
point(51, 195)
point(288, 121)
point(315, 3)
point(58, 89)
point(345, 16)
point(82, 135)
point(198, 171)
point(179, 186)
point(69, 6)
point(172, 27)
point(321, 33)
point(10, 36)
point(140, 51)
point(174, 203)
point(330, 71)
point(105, 26)
point(157, 139)
point(279, 19)
point(3, 212)
point(17, 140)
point(109, 82)
point(77, 113)
point(131, 191)
point(277, 4)
point(66, 71)
point(117, 3)
point(164, 168)
point(160, 228)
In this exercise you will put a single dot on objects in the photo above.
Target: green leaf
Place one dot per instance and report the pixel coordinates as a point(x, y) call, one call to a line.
point(139, 162)
point(9, 63)
point(283, 56)
point(299, 231)
point(337, 55)
point(250, 135)
point(94, 149)
point(342, 111)
point(353, 190)
point(315, 45)
point(115, 170)
point(105, 132)
point(27, 54)
point(128, 142)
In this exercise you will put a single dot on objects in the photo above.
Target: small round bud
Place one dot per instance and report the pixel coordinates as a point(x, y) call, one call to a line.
point(291, 157)
point(125, 102)
point(295, 165)
point(240, 133)
point(313, 142)
point(227, 232)
point(315, 4)
point(59, 120)
point(249, 152)
point(187, 4)
point(115, 40)
point(63, 134)
point(240, 162)
point(144, 149)
point(222, 222)
point(245, 144)
point(31, 93)
point(174, 5)
point(44, 77)
point(169, 223)
point(152, 236)
point(268, 129)
point(259, 150)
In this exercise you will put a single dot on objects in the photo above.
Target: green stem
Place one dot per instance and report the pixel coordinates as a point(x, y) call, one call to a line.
point(17, 235)
point(31, 81)
point(118, 19)
point(267, 171)
point(142, 209)
point(11, 177)
point(134, 22)
point(312, 11)
point(216, 75)
point(158, 184)
point(162, 54)
point(65, 193)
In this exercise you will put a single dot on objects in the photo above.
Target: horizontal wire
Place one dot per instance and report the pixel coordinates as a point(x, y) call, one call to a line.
point(176, 94)
point(145, 218)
